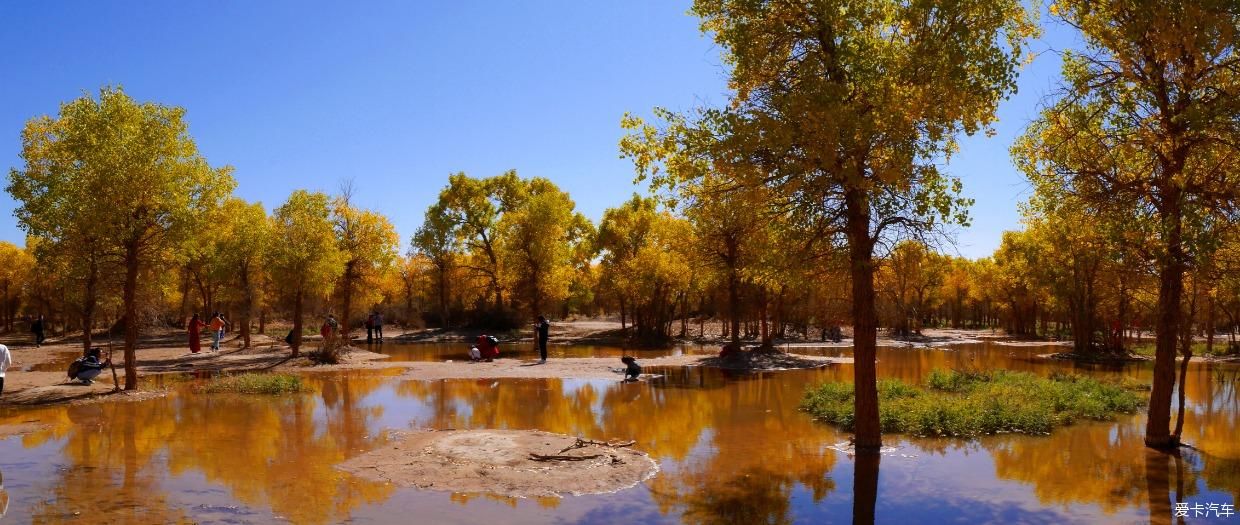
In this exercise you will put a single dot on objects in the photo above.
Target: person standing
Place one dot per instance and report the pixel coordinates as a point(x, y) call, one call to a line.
point(379, 326)
point(370, 328)
point(542, 333)
point(217, 329)
point(37, 328)
point(195, 334)
point(6, 359)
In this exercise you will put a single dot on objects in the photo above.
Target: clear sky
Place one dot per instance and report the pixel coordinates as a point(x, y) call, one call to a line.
point(397, 95)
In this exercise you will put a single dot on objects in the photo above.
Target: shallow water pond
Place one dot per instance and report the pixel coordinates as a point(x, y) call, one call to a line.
point(733, 449)
point(524, 350)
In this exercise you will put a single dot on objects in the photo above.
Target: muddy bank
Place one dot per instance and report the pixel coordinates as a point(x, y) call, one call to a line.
point(516, 463)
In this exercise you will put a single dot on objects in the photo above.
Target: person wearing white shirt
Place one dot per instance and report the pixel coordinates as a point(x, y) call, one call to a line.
point(6, 359)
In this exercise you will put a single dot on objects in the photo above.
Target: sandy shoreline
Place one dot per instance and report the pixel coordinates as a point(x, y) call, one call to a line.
point(26, 387)
point(37, 377)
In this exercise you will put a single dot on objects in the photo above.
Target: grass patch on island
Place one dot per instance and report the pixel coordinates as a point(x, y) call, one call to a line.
point(973, 403)
point(270, 384)
point(1222, 348)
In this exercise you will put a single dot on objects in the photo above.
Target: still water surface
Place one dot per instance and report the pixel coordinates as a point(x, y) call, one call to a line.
point(733, 449)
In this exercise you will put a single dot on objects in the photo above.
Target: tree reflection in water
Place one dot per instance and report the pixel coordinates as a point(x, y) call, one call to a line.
point(733, 448)
point(865, 486)
point(272, 452)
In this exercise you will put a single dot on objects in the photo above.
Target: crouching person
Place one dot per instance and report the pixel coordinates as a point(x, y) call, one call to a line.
point(88, 368)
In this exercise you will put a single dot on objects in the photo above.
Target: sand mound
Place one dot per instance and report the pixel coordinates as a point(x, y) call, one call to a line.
point(518, 463)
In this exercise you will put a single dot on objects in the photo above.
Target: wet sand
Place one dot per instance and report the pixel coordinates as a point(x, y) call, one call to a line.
point(514, 463)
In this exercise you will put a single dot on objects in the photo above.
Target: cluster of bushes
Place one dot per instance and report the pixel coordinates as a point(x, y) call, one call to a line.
point(972, 403)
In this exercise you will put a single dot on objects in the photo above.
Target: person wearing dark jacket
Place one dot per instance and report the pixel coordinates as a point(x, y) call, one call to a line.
point(89, 367)
point(541, 333)
point(632, 370)
point(38, 328)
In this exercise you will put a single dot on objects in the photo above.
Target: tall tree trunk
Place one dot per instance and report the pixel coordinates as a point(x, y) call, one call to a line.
point(865, 325)
point(408, 303)
point(185, 284)
point(443, 297)
point(1170, 292)
point(346, 296)
point(1186, 349)
point(1123, 319)
point(297, 321)
point(247, 306)
point(535, 297)
point(734, 306)
point(90, 298)
point(764, 327)
point(1210, 323)
point(684, 315)
point(131, 315)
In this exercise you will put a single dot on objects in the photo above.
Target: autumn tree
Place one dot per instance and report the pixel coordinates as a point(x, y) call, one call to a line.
point(472, 208)
point(540, 238)
point(908, 278)
point(522, 237)
point(1146, 122)
point(844, 112)
point(47, 289)
point(305, 258)
point(16, 266)
point(120, 173)
point(644, 264)
point(245, 236)
point(729, 228)
point(435, 240)
point(367, 241)
point(959, 280)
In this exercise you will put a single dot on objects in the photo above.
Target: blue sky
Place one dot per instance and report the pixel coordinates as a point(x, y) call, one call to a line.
point(397, 95)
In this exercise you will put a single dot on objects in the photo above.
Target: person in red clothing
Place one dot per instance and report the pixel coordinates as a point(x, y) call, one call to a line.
point(195, 334)
point(486, 348)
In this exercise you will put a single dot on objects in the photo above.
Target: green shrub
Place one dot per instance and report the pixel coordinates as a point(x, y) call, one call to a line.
point(249, 383)
point(972, 403)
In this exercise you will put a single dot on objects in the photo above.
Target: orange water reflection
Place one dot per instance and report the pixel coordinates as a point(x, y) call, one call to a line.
point(732, 448)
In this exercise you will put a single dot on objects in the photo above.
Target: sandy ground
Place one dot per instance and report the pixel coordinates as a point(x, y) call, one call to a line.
point(504, 462)
point(577, 367)
point(37, 377)
point(28, 382)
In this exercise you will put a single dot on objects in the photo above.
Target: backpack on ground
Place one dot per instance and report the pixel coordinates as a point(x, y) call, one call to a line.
point(75, 367)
